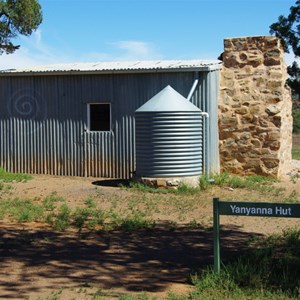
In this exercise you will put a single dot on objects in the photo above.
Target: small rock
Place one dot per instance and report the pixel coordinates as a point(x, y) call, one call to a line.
point(272, 110)
point(173, 182)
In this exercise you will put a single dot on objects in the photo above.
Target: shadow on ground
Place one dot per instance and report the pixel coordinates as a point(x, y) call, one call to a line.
point(111, 182)
point(33, 261)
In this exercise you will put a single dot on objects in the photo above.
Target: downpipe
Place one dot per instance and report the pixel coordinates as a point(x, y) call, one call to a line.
point(194, 86)
point(203, 114)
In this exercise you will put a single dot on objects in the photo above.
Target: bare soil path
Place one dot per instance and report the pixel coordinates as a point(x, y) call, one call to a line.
point(35, 260)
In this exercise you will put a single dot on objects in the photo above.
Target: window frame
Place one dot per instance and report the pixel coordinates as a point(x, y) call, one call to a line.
point(89, 116)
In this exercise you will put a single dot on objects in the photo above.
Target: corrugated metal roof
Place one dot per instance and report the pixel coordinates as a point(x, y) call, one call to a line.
point(120, 67)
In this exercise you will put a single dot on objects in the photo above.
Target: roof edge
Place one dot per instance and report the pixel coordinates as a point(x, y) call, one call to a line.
point(211, 66)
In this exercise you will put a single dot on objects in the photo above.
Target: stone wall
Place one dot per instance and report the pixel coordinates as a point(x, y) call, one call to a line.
point(255, 121)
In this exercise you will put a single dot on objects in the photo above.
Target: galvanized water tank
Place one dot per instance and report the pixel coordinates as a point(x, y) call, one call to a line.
point(168, 136)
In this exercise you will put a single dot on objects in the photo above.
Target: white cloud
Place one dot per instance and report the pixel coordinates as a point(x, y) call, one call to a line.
point(124, 50)
point(34, 52)
point(135, 50)
point(20, 59)
point(135, 47)
point(37, 36)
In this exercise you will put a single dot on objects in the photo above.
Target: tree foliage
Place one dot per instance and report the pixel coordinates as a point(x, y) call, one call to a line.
point(17, 17)
point(294, 78)
point(288, 30)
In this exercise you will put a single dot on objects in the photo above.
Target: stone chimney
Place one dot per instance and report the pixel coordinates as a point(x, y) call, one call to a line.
point(255, 108)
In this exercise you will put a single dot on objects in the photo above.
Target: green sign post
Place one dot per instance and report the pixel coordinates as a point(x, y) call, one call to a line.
point(249, 209)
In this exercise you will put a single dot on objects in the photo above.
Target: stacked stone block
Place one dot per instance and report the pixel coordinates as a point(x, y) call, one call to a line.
point(255, 121)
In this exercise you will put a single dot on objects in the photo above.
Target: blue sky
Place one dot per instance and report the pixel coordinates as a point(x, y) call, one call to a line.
point(105, 30)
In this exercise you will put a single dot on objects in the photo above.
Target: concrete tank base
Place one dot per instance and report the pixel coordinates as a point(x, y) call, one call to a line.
point(170, 182)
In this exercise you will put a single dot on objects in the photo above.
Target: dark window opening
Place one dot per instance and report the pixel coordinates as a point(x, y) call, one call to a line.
point(99, 117)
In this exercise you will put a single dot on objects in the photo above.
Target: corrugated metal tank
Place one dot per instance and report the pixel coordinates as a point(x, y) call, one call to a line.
point(168, 136)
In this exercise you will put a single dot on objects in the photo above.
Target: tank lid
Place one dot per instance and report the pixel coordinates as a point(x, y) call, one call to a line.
point(168, 100)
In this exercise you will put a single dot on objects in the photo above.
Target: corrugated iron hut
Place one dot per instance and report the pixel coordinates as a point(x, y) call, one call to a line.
point(78, 119)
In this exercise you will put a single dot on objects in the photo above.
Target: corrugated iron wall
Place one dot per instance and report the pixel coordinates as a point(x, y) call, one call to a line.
point(206, 98)
point(44, 130)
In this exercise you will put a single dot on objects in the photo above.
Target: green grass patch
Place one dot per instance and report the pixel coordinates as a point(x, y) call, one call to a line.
point(50, 202)
point(5, 187)
point(136, 221)
point(296, 153)
point(21, 210)
point(88, 216)
point(262, 184)
point(258, 183)
point(10, 177)
point(271, 271)
point(296, 145)
point(249, 182)
point(296, 120)
point(140, 187)
point(293, 197)
point(255, 182)
point(54, 211)
point(62, 219)
point(182, 189)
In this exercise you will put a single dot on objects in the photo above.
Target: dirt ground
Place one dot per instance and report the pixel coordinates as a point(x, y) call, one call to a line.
point(36, 261)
